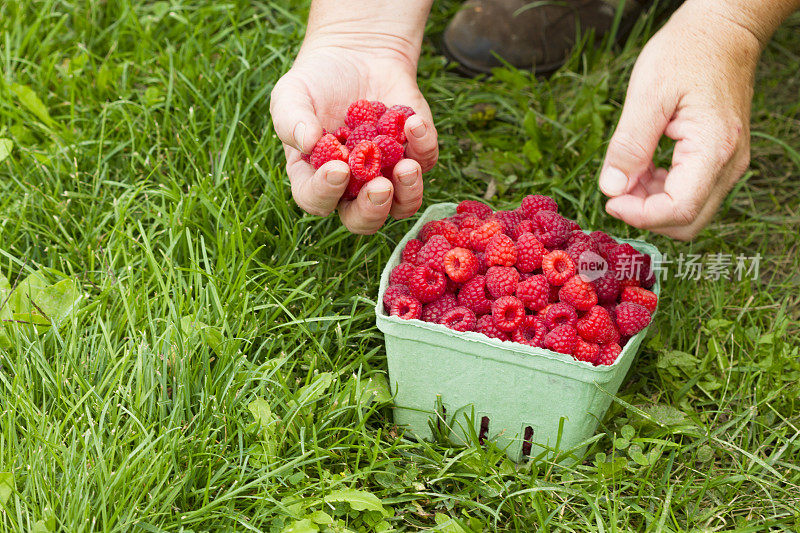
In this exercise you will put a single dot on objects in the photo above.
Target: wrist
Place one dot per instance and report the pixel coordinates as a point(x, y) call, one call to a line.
point(378, 28)
point(761, 18)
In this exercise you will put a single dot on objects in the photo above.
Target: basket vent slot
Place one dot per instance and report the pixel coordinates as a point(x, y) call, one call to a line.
point(527, 438)
point(484, 429)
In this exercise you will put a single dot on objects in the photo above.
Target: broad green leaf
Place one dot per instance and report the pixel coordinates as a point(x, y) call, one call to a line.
point(705, 453)
point(663, 415)
point(312, 392)
point(6, 486)
point(635, 453)
point(301, 526)
point(31, 102)
point(374, 389)
point(267, 424)
point(26, 290)
point(46, 525)
point(447, 525)
point(211, 335)
point(675, 360)
point(321, 517)
point(360, 500)
point(627, 432)
point(5, 148)
point(58, 300)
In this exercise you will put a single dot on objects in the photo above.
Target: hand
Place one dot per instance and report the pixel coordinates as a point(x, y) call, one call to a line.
point(327, 76)
point(693, 82)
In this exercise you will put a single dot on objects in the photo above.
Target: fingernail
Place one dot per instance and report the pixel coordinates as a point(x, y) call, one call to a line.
point(379, 197)
point(336, 177)
point(613, 181)
point(417, 127)
point(408, 178)
point(299, 135)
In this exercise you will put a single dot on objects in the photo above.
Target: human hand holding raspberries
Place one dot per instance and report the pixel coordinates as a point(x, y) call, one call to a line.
point(313, 97)
point(515, 276)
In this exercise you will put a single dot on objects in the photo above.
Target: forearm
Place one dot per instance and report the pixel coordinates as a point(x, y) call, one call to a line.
point(760, 17)
point(394, 24)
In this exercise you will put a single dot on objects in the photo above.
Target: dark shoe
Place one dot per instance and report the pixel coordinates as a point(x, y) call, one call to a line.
point(525, 33)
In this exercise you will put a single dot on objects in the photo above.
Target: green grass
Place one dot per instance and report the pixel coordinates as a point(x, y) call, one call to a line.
point(158, 185)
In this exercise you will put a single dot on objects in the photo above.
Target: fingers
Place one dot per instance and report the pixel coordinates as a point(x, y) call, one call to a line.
point(316, 192)
point(407, 179)
point(423, 143)
point(293, 114)
point(630, 151)
point(367, 213)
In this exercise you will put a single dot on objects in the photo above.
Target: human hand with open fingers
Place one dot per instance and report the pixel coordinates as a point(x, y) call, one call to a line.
point(693, 82)
point(330, 73)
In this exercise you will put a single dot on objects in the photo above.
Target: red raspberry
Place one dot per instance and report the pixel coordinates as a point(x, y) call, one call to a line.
point(462, 239)
point(392, 123)
point(378, 107)
point(482, 266)
point(529, 253)
point(432, 252)
point(576, 237)
point(364, 132)
point(628, 282)
point(578, 293)
point(608, 354)
point(534, 292)
point(410, 251)
point(507, 313)
point(502, 281)
point(473, 295)
point(531, 332)
point(360, 112)
point(460, 264)
point(611, 309)
point(480, 237)
point(403, 110)
point(365, 161)
point(406, 307)
point(485, 325)
point(392, 292)
point(342, 134)
point(554, 293)
point(470, 222)
point(500, 251)
point(562, 339)
point(627, 262)
point(586, 351)
point(391, 150)
point(573, 225)
point(509, 220)
point(560, 314)
point(631, 318)
point(401, 274)
point(474, 207)
point(452, 286)
point(640, 296)
point(328, 148)
point(601, 237)
point(526, 226)
point(576, 249)
point(607, 288)
point(438, 227)
point(534, 203)
point(597, 326)
point(551, 228)
point(459, 319)
point(434, 311)
point(558, 267)
point(427, 284)
point(647, 276)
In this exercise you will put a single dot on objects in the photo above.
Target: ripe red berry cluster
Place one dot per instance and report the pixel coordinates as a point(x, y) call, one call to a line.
point(371, 142)
point(521, 276)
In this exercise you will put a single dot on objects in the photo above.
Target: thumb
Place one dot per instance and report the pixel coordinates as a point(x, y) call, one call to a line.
point(293, 114)
point(630, 151)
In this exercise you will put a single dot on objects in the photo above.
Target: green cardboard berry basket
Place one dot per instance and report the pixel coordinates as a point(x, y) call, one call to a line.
point(527, 400)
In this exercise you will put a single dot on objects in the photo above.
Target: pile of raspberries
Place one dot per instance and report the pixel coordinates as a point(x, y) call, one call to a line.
point(371, 142)
point(511, 275)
